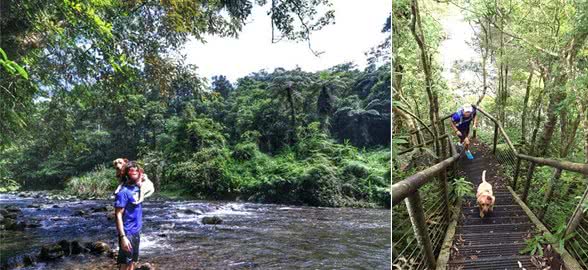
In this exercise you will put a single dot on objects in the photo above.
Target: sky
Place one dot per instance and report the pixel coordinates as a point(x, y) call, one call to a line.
point(357, 28)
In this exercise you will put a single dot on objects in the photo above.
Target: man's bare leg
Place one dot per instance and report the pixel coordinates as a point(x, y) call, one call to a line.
point(130, 266)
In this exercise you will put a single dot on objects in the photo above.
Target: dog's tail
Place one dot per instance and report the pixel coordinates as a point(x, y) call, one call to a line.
point(484, 176)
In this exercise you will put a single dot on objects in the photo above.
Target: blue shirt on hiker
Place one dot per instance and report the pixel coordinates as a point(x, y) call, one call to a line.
point(133, 215)
point(462, 122)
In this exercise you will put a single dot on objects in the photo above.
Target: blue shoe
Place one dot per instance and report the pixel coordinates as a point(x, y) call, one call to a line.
point(469, 155)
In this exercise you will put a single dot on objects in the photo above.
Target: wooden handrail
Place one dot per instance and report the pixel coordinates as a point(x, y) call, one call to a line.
point(409, 185)
point(559, 164)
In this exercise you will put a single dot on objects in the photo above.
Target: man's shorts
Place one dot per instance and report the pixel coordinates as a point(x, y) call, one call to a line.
point(133, 256)
point(464, 133)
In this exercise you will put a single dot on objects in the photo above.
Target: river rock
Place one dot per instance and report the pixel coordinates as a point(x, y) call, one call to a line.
point(13, 209)
point(146, 266)
point(98, 247)
point(51, 252)
point(29, 260)
point(65, 246)
point(76, 248)
point(192, 212)
point(107, 208)
point(11, 215)
point(11, 225)
point(212, 220)
point(55, 206)
point(33, 225)
point(80, 213)
point(3, 212)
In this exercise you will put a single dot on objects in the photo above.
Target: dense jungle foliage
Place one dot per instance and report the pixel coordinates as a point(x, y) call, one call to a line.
point(85, 82)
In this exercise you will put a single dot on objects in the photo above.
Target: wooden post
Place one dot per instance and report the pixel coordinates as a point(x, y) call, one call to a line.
point(516, 174)
point(419, 225)
point(495, 137)
point(549, 192)
point(577, 216)
point(528, 183)
point(445, 192)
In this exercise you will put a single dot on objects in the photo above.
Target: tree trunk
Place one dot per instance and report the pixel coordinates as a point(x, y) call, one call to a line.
point(417, 32)
point(525, 105)
point(292, 116)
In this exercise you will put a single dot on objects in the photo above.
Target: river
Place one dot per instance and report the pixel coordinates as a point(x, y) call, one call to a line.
point(260, 236)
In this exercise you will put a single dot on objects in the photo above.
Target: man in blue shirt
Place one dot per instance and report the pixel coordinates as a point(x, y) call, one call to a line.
point(460, 123)
point(129, 218)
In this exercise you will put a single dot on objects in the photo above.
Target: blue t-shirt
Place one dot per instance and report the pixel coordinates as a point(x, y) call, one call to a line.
point(133, 215)
point(461, 121)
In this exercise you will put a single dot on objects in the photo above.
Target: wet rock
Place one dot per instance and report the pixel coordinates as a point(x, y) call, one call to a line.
point(65, 246)
point(192, 212)
point(212, 220)
point(11, 215)
point(79, 213)
point(11, 225)
point(162, 235)
point(3, 212)
point(76, 248)
point(55, 206)
point(108, 208)
point(33, 225)
point(112, 254)
point(29, 260)
point(98, 247)
point(51, 252)
point(146, 266)
point(13, 209)
point(110, 216)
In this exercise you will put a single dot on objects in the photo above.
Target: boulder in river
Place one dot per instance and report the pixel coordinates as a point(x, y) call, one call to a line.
point(192, 212)
point(29, 260)
point(11, 225)
point(12, 208)
point(98, 247)
point(34, 205)
point(65, 246)
point(212, 220)
point(76, 248)
point(51, 252)
point(80, 213)
point(107, 208)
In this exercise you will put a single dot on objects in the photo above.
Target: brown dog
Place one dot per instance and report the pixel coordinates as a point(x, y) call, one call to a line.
point(145, 184)
point(485, 196)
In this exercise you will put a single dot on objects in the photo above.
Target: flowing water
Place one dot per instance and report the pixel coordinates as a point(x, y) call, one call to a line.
point(260, 236)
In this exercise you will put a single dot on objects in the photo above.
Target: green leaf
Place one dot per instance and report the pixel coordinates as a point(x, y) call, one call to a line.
point(19, 69)
point(7, 67)
point(3, 54)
